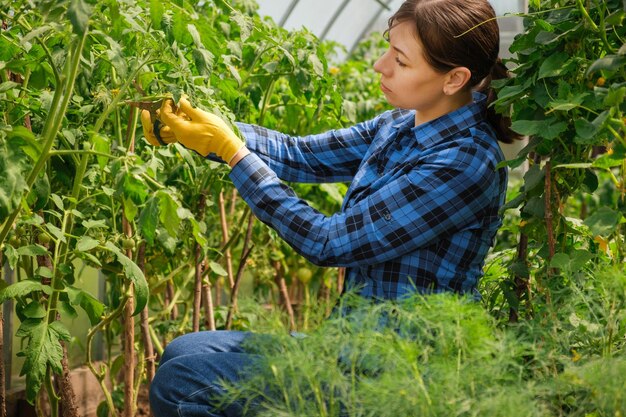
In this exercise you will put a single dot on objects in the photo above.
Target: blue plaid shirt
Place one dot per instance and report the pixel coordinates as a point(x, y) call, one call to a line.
point(421, 211)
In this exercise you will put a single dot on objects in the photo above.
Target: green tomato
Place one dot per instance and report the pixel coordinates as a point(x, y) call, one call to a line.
point(128, 244)
point(304, 275)
point(43, 238)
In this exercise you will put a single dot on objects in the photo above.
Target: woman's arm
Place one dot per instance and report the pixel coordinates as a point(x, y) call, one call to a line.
point(332, 156)
point(439, 195)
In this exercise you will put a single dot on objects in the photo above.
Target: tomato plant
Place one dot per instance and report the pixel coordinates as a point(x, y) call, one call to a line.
point(80, 186)
point(568, 97)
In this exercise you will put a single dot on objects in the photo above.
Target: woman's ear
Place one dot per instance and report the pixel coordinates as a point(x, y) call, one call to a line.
point(456, 80)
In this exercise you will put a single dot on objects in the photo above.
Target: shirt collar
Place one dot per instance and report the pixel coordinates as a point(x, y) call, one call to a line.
point(437, 130)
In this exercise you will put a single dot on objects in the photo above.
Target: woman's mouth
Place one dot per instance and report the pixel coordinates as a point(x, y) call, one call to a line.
point(384, 88)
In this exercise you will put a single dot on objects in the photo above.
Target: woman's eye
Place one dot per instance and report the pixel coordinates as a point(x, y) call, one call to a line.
point(400, 62)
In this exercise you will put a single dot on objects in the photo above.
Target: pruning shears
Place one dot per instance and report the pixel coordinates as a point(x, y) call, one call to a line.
point(151, 105)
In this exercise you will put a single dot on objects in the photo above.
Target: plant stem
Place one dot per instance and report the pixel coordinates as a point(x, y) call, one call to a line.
point(224, 224)
point(548, 210)
point(209, 310)
point(245, 252)
point(53, 122)
point(284, 293)
point(52, 396)
point(100, 376)
point(198, 260)
point(586, 16)
point(145, 327)
point(3, 406)
point(266, 98)
point(67, 391)
point(521, 283)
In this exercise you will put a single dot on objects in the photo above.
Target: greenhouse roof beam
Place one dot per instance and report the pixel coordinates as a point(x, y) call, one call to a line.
point(383, 6)
point(333, 19)
point(290, 8)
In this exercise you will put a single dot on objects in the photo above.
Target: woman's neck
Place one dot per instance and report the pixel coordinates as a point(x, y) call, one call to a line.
point(448, 104)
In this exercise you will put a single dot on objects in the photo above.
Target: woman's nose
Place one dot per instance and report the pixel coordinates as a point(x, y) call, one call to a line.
point(379, 65)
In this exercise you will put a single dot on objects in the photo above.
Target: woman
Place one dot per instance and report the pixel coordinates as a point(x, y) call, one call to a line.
point(422, 209)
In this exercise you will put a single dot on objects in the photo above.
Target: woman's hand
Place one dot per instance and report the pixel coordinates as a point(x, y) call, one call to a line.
point(155, 132)
point(199, 130)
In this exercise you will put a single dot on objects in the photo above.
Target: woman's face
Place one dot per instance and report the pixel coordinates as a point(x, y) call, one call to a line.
point(407, 80)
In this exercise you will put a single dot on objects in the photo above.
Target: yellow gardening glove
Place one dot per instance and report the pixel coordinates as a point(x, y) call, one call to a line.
point(155, 132)
point(203, 132)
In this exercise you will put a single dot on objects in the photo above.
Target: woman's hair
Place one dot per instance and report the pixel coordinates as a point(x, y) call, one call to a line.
point(461, 33)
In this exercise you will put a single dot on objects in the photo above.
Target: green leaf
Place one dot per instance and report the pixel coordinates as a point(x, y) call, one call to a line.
point(95, 224)
point(32, 250)
point(28, 142)
point(166, 241)
point(548, 129)
point(67, 311)
point(534, 177)
point(13, 183)
point(40, 193)
point(57, 201)
point(56, 232)
point(101, 144)
point(510, 92)
point(78, 13)
point(156, 13)
point(217, 269)
point(615, 97)
point(590, 183)
point(7, 85)
point(168, 213)
point(196, 230)
point(195, 35)
point(11, 255)
point(130, 209)
point(131, 186)
point(579, 259)
point(553, 65)
point(244, 23)
point(87, 302)
point(134, 274)
point(608, 161)
point(585, 130)
point(34, 310)
point(317, 65)
point(535, 207)
point(203, 60)
point(616, 18)
point(148, 220)
point(23, 288)
point(561, 261)
point(86, 243)
point(565, 105)
point(43, 271)
point(43, 349)
point(608, 62)
point(603, 222)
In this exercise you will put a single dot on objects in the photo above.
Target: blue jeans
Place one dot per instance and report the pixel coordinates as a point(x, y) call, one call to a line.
point(189, 374)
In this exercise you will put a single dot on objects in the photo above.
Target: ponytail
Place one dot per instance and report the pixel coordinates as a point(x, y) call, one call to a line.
point(500, 123)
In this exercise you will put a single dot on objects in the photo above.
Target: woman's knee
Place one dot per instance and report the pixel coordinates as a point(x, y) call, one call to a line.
point(204, 342)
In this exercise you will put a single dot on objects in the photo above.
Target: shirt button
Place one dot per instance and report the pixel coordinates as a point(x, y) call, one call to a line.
point(387, 215)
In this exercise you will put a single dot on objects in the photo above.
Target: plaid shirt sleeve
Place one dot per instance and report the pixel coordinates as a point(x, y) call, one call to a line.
point(332, 156)
point(434, 196)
